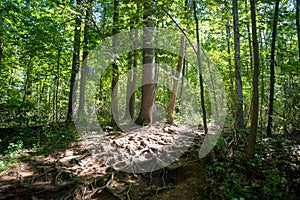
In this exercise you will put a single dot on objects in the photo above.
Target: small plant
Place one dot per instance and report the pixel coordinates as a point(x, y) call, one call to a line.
point(14, 149)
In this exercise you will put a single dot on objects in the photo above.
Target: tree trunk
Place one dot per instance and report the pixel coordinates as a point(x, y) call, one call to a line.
point(176, 81)
point(177, 73)
point(84, 68)
point(255, 98)
point(148, 73)
point(298, 25)
point(57, 82)
point(115, 70)
point(28, 82)
point(1, 52)
point(239, 116)
point(272, 71)
point(133, 88)
point(204, 120)
point(75, 68)
point(231, 87)
point(131, 83)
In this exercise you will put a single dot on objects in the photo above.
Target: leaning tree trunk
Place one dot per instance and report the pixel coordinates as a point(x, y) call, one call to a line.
point(148, 73)
point(176, 81)
point(75, 68)
point(272, 71)
point(255, 98)
point(177, 73)
point(239, 116)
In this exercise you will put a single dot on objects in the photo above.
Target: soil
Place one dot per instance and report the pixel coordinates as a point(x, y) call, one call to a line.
point(74, 173)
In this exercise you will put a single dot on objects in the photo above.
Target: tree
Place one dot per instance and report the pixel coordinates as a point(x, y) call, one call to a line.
point(131, 82)
point(84, 68)
point(75, 67)
point(115, 70)
point(298, 25)
point(239, 116)
point(272, 72)
point(180, 63)
point(255, 97)
point(148, 73)
point(1, 52)
point(200, 71)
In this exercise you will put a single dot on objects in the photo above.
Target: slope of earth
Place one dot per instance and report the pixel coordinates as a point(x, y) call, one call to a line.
point(78, 173)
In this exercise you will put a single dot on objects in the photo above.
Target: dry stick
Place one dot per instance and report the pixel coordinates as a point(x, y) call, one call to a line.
point(127, 193)
point(108, 182)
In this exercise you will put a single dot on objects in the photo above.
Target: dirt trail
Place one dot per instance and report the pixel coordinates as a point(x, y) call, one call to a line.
point(75, 174)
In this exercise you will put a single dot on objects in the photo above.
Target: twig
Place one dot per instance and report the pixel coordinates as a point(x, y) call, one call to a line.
point(108, 183)
point(127, 193)
point(164, 188)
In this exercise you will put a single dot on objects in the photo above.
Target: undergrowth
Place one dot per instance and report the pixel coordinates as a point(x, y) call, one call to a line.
point(21, 143)
point(273, 173)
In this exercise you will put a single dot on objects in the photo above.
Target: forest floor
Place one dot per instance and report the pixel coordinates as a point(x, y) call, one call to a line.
point(74, 173)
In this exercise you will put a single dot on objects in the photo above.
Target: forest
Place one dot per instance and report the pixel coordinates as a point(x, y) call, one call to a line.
point(136, 99)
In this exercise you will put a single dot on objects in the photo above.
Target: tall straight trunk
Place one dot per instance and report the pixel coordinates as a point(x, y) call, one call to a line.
point(239, 116)
point(231, 87)
point(255, 98)
point(75, 68)
point(248, 69)
point(135, 64)
point(28, 82)
point(84, 68)
point(1, 51)
point(298, 25)
point(57, 83)
point(131, 83)
point(115, 70)
point(272, 71)
point(148, 72)
point(204, 120)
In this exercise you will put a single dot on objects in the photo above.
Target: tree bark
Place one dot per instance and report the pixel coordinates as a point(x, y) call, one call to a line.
point(148, 73)
point(255, 97)
point(180, 64)
point(204, 120)
point(135, 63)
point(231, 87)
point(1, 51)
point(272, 71)
point(239, 116)
point(75, 68)
point(84, 68)
point(298, 25)
point(57, 82)
point(131, 82)
point(176, 81)
point(115, 70)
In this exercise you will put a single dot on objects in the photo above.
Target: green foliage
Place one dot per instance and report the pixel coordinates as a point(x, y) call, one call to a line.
point(270, 175)
point(16, 143)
